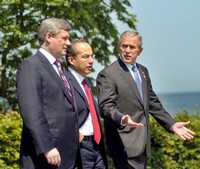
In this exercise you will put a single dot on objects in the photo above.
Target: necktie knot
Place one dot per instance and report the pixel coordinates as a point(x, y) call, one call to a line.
point(84, 82)
point(58, 64)
point(62, 76)
point(134, 68)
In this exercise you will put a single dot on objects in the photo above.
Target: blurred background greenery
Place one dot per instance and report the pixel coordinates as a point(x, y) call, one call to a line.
point(90, 19)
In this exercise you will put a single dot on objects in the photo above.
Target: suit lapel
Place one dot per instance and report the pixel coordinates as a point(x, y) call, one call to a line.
point(76, 86)
point(144, 85)
point(95, 102)
point(129, 79)
point(79, 90)
point(54, 75)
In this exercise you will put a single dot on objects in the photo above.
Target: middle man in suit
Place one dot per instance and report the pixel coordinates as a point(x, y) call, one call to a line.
point(80, 61)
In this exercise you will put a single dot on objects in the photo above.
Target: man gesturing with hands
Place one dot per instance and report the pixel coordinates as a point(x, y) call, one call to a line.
point(126, 99)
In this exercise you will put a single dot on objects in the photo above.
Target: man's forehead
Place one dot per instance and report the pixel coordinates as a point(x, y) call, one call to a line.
point(82, 45)
point(64, 32)
point(130, 37)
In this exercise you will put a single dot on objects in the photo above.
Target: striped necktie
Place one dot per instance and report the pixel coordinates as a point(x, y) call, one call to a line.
point(63, 77)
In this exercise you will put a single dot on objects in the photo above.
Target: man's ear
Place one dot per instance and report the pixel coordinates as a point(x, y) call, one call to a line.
point(70, 60)
point(48, 37)
point(141, 49)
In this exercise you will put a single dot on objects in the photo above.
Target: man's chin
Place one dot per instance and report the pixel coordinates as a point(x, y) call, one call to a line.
point(128, 61)
point(88, 72)
point(64, 53)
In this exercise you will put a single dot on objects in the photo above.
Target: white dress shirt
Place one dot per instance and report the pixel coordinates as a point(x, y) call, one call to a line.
point(87, 127)
point(50, 58)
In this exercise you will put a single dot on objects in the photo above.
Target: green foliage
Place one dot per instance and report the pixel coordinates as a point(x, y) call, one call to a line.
point(169, 151)
point(4, 105)
point(91, 19)
point(10, 131)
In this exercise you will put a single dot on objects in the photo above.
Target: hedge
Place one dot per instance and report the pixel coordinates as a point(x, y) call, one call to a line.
point(168, 151)
point(10, 131)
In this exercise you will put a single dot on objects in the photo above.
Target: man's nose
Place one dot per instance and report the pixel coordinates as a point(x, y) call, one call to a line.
point(68, 42)
point(128, 49)
point(91, 60)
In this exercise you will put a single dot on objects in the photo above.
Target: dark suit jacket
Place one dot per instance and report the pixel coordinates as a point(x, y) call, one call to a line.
point(83, 109)
point(118, 95)
point(48, 112)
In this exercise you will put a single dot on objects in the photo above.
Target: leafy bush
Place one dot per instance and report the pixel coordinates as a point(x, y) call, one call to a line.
point(10, 132)
point(168, 151)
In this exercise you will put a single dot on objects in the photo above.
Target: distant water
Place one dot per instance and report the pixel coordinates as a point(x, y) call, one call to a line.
point(177, 102)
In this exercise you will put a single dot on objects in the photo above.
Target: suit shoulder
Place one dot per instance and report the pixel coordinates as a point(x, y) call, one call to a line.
point(110, 68)
point(31, 62)
point(142, 67)
point(32, 59)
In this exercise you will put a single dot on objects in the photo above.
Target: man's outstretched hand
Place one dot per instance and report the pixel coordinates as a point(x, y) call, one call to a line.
point(182, 131)
point(127, 121)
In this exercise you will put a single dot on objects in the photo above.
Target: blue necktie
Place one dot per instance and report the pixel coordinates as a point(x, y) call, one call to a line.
point(137, 80)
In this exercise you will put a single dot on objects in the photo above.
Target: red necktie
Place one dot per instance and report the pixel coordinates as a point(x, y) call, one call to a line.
point(95, 122)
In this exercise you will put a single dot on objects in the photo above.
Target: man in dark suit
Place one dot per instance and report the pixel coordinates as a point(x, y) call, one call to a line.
point(50, 122)
point(80, 62)
point(126, 99)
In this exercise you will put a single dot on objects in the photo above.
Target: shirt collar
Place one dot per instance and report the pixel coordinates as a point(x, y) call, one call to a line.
point(77, 75)
point(129, 66)
point(48, 55)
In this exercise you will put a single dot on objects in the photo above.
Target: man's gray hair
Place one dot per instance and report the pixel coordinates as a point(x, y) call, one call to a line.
point(129, 34)
point(53, 26)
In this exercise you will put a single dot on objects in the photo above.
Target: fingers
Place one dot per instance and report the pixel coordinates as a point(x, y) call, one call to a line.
point(185, 123)
point(182, 137)
point(126, 120)
point(131, 123)
point(53, 157)
point(188, 134)
point(185, 133)
point(189, 131)
point(136, 125)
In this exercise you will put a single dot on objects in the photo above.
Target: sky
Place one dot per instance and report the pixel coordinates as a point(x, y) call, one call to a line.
point(171, 42)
